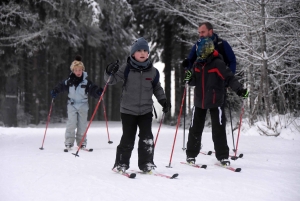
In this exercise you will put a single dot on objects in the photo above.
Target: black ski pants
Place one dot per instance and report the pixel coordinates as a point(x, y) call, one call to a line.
point(218, 132)
point(130, 123)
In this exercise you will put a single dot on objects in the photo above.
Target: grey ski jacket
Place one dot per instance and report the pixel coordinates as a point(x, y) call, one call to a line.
point(138, 88)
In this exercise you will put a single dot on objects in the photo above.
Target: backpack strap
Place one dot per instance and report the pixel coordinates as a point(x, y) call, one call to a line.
point(221, 50)
point(126, 72)
point(156, 79)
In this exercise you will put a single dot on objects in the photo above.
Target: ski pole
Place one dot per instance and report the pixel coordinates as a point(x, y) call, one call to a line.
point(162, 118)
point(237, 142)
point(231, 126)
point(178, 122)
point(104, 109)
point(184, 113)
point(95, 110)
point(48, 119)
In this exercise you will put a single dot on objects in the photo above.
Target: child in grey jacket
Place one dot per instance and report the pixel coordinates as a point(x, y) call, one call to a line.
point(79, 87)
point(141, 81)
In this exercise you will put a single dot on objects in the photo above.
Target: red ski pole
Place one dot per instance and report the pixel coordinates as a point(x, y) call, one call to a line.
point(104, 109)
point(237, 142)
point(162, 118)
point(48, 119)
point(178, 122)
point(100, 99)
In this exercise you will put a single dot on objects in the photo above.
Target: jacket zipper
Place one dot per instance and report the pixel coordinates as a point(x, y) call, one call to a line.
point(141, 90)
point(203, 92)
point(214, 96)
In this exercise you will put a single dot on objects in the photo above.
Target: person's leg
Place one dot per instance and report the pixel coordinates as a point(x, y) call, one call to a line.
point(195, 132)
point(219, 133)
point(71, 126)
point(124, 149)
point(82, 124)
point(146, 144)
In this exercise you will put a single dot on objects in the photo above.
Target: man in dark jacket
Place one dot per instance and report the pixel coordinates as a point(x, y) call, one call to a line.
point(209, 75)
point(205, 29)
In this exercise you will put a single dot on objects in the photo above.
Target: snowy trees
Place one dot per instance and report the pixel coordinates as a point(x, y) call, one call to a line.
point(264, 37)
point(39, 40)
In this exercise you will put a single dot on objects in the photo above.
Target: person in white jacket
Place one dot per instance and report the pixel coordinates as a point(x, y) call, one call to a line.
point(78, 87)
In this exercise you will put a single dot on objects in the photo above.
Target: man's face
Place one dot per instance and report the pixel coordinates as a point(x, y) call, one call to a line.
point(204, 32)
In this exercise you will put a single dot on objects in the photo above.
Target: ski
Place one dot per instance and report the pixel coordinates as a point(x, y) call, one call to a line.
point(88, 150)
point(206, 153)
point(130, 176)
point(229, 167)
point(195, 165)
point(209, 153)
point(157, 174)
point(84, 149)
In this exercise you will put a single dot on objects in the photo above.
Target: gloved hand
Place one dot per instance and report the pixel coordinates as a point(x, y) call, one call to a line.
point(243, 93)
point(188, 76)
point(99, 91)
point(112, 68)
point(166, 106)
point(54, 93)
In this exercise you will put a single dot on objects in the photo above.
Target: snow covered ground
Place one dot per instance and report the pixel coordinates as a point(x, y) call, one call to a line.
point(270, 168)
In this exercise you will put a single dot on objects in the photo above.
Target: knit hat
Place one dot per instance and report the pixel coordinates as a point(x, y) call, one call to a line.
point(77, 63)
point(204, 47)
point(139, 44)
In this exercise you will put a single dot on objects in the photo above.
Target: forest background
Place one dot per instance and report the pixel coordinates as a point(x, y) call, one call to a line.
point(39, 40)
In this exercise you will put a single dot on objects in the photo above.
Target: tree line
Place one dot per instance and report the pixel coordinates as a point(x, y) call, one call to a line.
point(39, 40)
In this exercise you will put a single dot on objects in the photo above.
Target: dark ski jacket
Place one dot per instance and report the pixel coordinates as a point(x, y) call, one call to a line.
point(138, 88)
point(209, 79)
point(223, 47)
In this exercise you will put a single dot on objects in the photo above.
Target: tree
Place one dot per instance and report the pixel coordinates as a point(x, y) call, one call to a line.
point(262, 33)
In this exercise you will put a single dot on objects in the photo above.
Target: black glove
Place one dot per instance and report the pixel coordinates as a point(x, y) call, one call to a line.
point(54, 93)
point(166, 106)
point(243, 93)
point(112, 68)
point(188, 76)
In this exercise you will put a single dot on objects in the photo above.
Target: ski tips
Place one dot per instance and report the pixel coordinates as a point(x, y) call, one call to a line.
point(238, 169)
point(174, 176)
point(132, 176)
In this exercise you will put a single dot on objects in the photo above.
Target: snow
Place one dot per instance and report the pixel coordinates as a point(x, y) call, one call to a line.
point(270, 168)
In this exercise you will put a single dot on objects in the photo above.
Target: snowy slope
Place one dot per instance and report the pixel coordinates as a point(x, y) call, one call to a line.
point(270, 168)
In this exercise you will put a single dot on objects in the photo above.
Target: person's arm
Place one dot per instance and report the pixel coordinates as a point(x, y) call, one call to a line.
point(230, 56)
point(93, 90)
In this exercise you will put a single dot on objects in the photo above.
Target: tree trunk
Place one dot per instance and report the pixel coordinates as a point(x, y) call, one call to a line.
point(167, 59)
point(264, 70)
